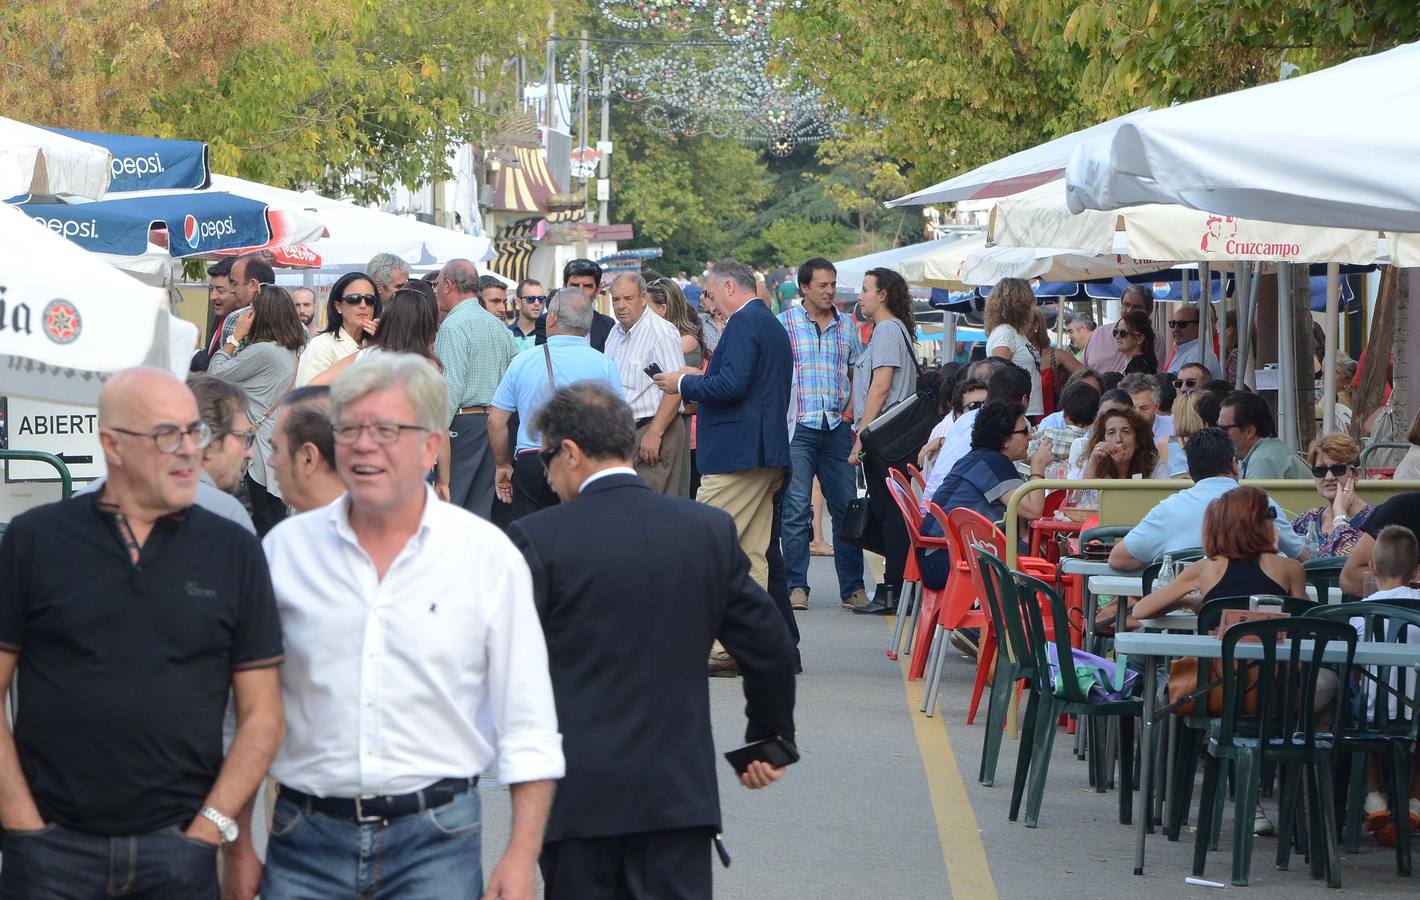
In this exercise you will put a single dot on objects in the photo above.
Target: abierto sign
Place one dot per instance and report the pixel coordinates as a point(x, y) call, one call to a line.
point(69, 432)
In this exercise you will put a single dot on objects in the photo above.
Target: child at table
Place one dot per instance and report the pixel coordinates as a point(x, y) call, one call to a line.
point(1393, 563)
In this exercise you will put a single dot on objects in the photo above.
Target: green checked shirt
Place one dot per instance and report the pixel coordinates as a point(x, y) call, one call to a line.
point(475, 349)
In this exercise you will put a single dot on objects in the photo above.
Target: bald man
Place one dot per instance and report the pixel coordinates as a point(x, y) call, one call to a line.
point(131, 613)
point(305, 300)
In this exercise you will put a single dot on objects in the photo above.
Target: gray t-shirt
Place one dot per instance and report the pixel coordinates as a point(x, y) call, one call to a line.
point(890, 347)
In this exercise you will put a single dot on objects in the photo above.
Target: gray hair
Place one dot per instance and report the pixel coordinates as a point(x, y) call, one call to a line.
point(383, 266)
point(633, 277)
point(462, 274)
point(416, 376)
point(1145, 293)
point(1072, 318)
point(573, 311)
point(1135, 382)
point(729, 269)
point(1189, 306)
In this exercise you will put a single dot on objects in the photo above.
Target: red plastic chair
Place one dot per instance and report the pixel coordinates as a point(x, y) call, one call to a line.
point(957, 606)
point(919, 483)
point(914, 599)
point(1053, 501)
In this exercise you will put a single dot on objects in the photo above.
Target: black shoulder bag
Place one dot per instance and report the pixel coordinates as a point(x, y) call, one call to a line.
point(896, 436)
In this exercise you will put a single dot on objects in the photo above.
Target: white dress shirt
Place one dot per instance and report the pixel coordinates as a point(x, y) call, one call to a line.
point(431, 673)
point(955, 445)
point(650, 339)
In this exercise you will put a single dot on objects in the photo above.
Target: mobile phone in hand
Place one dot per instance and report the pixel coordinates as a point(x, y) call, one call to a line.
point(652, 370)
point(776, 751)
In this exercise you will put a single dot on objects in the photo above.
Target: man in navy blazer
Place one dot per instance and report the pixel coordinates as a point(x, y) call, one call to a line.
point(742, 430)
point(631, 587)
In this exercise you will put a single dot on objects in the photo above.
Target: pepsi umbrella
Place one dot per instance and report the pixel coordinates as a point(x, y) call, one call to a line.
point(146, 163)
point(38, 160)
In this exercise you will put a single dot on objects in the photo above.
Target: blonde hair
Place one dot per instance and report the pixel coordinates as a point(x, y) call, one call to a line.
point(1010, 303)
point(1186, 420)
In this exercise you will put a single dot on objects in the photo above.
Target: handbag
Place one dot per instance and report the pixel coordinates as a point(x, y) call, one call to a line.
point(1185, 685)
point(857, 528)
point(1101, 680)
point(898, 433)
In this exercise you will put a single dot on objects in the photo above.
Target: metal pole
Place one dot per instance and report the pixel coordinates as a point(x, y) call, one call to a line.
point(1286, 359)
point(550, 82)
point(1328, 364)
point(949, 336)
point(1245, 286)
point(1205, 308)
point(585, 61)
point(604, 171)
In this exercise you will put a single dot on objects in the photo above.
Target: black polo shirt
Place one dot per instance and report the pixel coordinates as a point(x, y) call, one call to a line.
point(125, 667)
point(1402, 509)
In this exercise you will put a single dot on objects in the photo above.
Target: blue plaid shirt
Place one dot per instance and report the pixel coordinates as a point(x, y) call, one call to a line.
point(822, 361)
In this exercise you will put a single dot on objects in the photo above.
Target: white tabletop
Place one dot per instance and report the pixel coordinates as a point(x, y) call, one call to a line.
point(1206, 646)
point(1174, 621)
point(1121, 585)
point(1074, 565)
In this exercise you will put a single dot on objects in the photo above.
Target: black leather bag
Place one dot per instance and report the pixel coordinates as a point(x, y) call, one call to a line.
point(896, 436)
point(858, 526)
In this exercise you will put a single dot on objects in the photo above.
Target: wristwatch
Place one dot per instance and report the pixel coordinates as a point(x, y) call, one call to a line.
point(226, 826)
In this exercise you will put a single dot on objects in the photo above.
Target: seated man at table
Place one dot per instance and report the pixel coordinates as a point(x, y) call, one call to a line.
point(1176, 523)
point(1402, 509)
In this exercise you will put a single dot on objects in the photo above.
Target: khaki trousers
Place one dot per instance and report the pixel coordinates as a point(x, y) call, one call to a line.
point(748, 496)
point(667, 475)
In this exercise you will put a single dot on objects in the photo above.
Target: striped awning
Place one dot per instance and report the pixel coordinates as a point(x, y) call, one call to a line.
point(526, 186)
point(513, 248)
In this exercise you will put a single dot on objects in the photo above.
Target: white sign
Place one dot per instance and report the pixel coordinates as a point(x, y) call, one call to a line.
point(603, 190)
point(69, 432)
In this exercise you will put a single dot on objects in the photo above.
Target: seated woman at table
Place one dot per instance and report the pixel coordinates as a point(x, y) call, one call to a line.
point(1240, 540)
point(1121, 446)
point(1186, 423)
point(1110, 401)
point(984, 479)
point(1334, 529)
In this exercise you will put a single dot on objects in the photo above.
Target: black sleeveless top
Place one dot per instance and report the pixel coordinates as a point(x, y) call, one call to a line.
point(1243, 578)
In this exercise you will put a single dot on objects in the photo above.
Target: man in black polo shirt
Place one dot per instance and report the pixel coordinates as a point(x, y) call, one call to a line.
point(130, 614)
point(1402, 509)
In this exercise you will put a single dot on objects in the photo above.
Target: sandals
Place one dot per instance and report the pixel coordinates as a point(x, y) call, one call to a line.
point(1382, 826)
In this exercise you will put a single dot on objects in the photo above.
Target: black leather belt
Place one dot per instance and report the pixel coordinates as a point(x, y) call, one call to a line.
point(380, 808)
point(643, 422)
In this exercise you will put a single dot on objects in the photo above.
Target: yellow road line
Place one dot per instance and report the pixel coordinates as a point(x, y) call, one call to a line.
point(963, 853)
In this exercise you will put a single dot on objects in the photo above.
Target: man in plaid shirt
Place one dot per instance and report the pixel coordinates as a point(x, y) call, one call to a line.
point(825, 345)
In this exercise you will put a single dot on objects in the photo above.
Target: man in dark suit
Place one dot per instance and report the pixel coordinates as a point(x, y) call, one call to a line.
point(632, 587)
point(585, 276)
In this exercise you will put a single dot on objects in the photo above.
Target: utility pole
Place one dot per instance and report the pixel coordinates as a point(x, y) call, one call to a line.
point(551, 79)
point(604, 171)
point(585, 62)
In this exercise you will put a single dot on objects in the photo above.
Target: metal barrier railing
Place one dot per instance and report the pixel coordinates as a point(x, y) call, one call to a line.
point(1382, 445)
point(66, 481)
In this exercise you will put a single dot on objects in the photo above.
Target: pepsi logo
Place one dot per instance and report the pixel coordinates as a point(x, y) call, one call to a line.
point(189, 230)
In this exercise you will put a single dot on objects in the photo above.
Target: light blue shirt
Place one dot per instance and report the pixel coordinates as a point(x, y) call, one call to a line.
point(524, 387)
point(1176, 523)
point(1054, 420)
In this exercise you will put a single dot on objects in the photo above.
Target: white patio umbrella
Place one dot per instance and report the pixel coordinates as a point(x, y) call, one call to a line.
point(1017, 172)
point(971, 263)
point(38, 161)
point(1279, 152)
point(71, 319)
point(851, 271)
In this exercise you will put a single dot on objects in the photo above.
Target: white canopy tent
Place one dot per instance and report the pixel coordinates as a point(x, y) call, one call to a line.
point(38, 161)
point(1276, 152)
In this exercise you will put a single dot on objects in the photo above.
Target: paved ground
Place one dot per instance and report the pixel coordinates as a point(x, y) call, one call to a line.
point(886, 803)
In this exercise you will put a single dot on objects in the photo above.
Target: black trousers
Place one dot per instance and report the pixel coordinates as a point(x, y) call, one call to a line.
point(895, 540)
point(267, 509)
point(531, 492)
point(653, 865)
point(778, 579)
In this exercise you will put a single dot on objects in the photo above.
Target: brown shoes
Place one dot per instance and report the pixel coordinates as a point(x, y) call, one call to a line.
point(854, 600)
point(723, 667)
point(798, 599)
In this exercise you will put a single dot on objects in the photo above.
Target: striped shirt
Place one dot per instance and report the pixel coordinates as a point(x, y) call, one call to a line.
point(650, 339)
point(822, 361)
point(475, 349)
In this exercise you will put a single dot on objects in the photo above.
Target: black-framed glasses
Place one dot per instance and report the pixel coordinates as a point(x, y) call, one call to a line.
point(1337, 469)
point(1182, 323)
point(168, 438)
point(1182, 383)
point(1121, 333)
point(1228, 427)
point(534, 298)
point(547, 455)
point(974, 404)
point(380, 432)
point(248, 437)
point(1021, 431)
point(358, 299)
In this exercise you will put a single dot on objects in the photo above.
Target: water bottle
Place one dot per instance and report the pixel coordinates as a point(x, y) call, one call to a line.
point(1166, 572)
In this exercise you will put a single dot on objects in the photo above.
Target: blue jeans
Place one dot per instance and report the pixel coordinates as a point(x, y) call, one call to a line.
point(433, 855)
point(823, 453)
point(58, 864)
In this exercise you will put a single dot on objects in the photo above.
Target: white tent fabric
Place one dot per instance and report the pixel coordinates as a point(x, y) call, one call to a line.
point(1017, 172)
point(1040, 217)
point(72, 319)
point(1333, 148)
point(851, 271)
point(357, 233)
point(37, 161)
point(971, 263)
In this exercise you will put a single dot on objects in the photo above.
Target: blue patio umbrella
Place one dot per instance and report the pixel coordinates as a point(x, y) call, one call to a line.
point(197, 223)
point(147, 163)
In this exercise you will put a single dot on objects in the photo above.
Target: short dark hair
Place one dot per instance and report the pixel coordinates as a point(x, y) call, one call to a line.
point(1080, 403)
point(1250, 409)
point(1081, 374)
point(308, 421)
point(218, 401)
point(526, 282)
point(817, 264)
point(1396, 553)
point(256, 267)
point(1208, 404)
point(1008, 384)
point(222, 268)
point(1110, 380)
point(1209, 453)
point(994, 423)
point(488, 281)
point(593, 417)
point(337, 293)
point(1115, 395)
point(581, 266)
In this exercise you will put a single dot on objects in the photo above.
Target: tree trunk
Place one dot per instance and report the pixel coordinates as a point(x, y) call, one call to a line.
point(1304, 355)
point(1371, 394)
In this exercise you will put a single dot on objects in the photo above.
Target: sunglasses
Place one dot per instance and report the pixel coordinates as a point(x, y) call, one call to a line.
point(1337, 469)
point(358, 299)
point(1182, 323)
point(547, 454)
point(1121, 333)
point(974, 404)
point(1181, 383)
point(534, 298)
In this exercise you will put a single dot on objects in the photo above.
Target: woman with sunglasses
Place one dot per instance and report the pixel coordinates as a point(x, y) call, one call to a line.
point(1335, 528)
point(352, 314)
point(1134, 338)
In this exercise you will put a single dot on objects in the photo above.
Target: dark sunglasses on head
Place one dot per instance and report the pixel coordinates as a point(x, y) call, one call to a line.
point(1337, 469)
point(1181, 383)
point(1182, 323)
point(356, 299)
point(1121, 333)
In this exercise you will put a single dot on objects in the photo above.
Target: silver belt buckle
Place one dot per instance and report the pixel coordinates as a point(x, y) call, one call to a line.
point(360, 812)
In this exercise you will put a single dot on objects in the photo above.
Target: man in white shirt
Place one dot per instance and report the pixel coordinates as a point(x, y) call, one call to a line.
point(414, 660)
point(1183, 326)
point(639, 339)
point(1007, 382)
point(1144, 390)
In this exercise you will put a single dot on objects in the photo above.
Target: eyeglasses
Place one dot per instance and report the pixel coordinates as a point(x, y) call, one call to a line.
point(380, 432)
point(974, 404)
point(1337, 469)
point(168, 438)
point(248, 437)
point(1122, 333)
point(1182, 323)
point(534, 298)
point(357, 299)
point(1181, 383)
point(1228, 427)
point(1021, 431)
point(547, 455)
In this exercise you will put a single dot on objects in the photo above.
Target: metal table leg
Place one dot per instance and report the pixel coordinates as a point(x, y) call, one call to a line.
point(1146, 762)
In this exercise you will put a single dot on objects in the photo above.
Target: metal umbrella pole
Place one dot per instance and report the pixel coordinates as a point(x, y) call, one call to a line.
point(1328, 365)
point(1205, 308)
point(1286, 359)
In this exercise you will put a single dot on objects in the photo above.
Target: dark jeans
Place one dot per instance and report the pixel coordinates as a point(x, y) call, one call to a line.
point(778, 586)
point(531, 492)
point(56, 863)
point(433, 855)
point(895, 540)
point(822, 453)
point(267, 509)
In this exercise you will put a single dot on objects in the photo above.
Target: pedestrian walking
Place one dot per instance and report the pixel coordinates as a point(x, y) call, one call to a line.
point(642, 339)
point(585, 276)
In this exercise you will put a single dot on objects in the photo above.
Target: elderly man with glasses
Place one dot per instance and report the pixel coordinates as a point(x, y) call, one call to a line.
point(1183, 327)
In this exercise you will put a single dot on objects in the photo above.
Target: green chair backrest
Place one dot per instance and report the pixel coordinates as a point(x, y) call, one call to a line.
point(1151, 571)
point(1032, 592)
point(1382, 622)
point(1105, 533)
point(1212, 610)
point(1324, 573)
point(1004, 608)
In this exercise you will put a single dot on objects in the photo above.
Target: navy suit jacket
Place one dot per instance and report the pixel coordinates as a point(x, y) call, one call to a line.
point(632, 588)
point(743, 421)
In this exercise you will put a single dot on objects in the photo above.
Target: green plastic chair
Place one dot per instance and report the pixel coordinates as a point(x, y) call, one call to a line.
point(1376, 731)
point(1151, 571)
point(1108, 533)
point(1282, 730)
point(1047, 705)
point(1015, 659)
point(1323, 574)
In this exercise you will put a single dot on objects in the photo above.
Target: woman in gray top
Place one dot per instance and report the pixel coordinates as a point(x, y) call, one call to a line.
point(260, 358)
point(885, 374)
